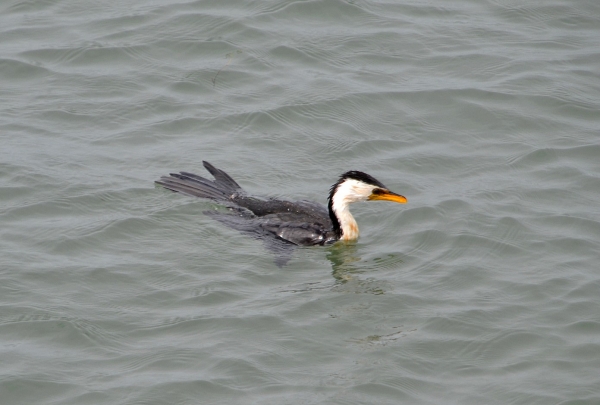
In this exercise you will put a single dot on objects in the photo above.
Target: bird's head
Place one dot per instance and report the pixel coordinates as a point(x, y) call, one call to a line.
point(355, 186)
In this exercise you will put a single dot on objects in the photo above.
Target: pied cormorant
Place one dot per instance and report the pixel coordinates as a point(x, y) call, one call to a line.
point(301, 222)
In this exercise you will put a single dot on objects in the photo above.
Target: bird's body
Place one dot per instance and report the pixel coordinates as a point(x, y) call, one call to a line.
point(299, 222)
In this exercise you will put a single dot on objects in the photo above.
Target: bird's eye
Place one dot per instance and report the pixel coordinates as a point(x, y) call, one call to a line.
point(378, 191)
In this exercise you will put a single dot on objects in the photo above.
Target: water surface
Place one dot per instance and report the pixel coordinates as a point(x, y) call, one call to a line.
point(484, 289)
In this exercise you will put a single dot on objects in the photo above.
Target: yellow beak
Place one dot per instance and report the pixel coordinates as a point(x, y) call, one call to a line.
point(387, 195)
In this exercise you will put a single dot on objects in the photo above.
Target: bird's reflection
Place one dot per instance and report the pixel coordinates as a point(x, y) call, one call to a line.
point(348, 266)
point(343, 257)
point(346, 262)
point(347, 270)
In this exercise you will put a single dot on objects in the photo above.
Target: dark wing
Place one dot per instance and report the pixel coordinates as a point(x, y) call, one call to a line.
point(302, 223)
point(285, 223)
point(293, 227)
point(245, 222)
point(298, 231)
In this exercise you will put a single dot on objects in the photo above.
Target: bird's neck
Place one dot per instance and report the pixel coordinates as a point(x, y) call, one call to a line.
point(344, 224)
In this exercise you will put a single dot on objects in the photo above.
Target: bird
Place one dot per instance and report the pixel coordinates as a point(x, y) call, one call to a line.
point(303, 223)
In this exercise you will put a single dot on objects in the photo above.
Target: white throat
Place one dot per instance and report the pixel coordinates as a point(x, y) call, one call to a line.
point(348, 192)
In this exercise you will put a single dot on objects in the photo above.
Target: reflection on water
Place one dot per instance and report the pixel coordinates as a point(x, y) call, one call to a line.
point(383, 340)
point(343, 256)
point(347, 264)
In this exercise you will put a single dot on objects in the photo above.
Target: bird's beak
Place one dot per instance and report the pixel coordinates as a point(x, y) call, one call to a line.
point(387, 195)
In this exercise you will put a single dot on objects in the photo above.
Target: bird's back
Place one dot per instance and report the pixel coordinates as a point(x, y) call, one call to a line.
point(300, 222)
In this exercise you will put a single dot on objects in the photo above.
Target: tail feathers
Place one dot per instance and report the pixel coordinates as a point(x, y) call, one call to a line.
point(221, 177)
point(222, 188)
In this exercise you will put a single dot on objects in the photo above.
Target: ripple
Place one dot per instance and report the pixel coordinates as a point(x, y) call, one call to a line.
point(19, 70)
point(482, 289)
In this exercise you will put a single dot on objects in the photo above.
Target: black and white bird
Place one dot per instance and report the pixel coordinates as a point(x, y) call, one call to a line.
point(303, 223)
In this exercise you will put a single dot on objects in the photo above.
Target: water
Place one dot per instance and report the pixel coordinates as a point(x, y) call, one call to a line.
point(484, 289)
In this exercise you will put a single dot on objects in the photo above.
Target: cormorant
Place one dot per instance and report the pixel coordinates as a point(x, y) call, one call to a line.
point(301, 222)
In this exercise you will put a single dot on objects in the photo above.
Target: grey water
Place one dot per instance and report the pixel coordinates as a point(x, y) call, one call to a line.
point(483, 289)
